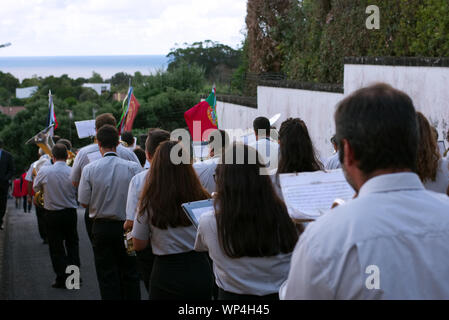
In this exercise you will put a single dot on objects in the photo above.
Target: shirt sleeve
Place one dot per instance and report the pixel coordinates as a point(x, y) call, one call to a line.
point(29, 175)
point(40, 180)
point(132, 200)
point(141, 227)
point(78, 165)
point(85, 188)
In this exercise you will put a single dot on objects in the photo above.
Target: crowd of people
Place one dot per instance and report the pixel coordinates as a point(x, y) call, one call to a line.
point(249, 248)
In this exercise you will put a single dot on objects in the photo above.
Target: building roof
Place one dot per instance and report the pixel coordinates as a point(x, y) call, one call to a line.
point(11, 111)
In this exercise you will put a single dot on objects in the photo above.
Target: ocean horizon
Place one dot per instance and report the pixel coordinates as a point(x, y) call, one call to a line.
point(81, 66)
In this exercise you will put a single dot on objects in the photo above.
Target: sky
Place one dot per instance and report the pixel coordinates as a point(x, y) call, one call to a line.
point(116, 27)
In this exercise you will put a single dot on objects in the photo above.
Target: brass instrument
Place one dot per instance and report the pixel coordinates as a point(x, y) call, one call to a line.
point(70, 158)
point(45, 142)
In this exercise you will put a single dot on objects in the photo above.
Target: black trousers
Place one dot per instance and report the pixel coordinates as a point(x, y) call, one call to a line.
point(182, 276)
point(116, 271)
point(145, 260)
point(26, 204)
point(3, 201)
point(63, 240)
point(41, 223)
point(226, 295)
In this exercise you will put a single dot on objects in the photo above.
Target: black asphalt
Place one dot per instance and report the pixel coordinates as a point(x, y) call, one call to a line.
point(27, 272)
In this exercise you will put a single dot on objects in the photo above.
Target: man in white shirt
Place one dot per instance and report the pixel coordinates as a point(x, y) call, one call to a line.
point(391, 241)
point(334, 161)
point(144, 257)
point(92, 153)
point(60, 213)
point(268, 149)
point(103, 187)
point(218, 141)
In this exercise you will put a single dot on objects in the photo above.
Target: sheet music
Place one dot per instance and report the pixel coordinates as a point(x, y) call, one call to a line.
point(308, 194)
point(85, 128)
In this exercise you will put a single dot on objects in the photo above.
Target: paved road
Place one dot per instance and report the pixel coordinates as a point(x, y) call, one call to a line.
point(27, 271)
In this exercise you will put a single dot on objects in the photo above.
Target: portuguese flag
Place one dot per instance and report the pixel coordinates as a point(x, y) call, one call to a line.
point(202, 118)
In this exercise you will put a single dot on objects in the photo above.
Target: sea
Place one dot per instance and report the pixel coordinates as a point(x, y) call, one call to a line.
point(82, 66)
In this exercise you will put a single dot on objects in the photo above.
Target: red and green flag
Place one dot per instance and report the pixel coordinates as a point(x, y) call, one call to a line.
point(129, 112)
point(202, 118)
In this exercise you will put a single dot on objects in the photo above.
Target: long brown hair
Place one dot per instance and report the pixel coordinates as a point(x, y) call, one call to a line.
point(252, 220)
point(167, 186)
point(428, 153)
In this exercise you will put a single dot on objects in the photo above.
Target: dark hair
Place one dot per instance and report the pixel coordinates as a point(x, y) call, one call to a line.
point(333, 140)
point(297, 153)
point(128, 137)
point(224, 140)
point(167, 186)
point(66, 142)
point(56, 139)
point(154, 138)
point(103, 119)
point(428, 152)
point(107, 136)
point(252, 220)
point(140, 153)
point(379, 122)
point(262, 123)
point(59, 151)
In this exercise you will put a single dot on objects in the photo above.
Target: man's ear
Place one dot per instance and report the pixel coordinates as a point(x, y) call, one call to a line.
point(148, 156)
point(349, 158)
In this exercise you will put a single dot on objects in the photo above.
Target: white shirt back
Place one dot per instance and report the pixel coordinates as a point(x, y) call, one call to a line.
point(394, 225)
point(441, 182)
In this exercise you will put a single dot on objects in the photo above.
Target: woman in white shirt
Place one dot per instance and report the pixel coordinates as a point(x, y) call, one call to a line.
point(250, 237)
point(178, 271)
point(431, 168)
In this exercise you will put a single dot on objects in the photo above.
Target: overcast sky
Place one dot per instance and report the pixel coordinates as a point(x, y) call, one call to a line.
point(116, 27)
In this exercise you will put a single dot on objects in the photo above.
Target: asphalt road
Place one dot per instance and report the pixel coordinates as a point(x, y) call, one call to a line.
point(27, 272)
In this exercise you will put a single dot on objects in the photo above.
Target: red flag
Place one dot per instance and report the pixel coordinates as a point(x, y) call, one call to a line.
point(132, 113)
point(202, 115)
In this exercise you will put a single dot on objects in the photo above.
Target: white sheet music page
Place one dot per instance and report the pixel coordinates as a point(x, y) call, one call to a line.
point(85, 128)
point(308, 194)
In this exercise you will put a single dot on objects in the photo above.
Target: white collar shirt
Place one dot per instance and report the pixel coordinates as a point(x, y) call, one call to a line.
point(391, 242)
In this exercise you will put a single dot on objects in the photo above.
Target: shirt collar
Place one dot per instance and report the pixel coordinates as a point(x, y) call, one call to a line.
point(392, 182)
point(59, 163)
point(110, 153)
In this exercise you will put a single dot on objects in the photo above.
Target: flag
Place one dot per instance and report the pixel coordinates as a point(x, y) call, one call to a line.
point(129, 113)
point(51, 118)
point(202, 117)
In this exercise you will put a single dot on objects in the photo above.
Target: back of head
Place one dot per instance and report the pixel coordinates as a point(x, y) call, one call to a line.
point(168, 186)
point(140, 153)
point(103, 119)
point(247, 206)
point(379, 123)
point(261, 126)
point(428, 152)
point(56, 139)
point(154, 138)
point(297, 153)
point(59, 151)
point(66, 142)
point(107, 136)
point(128, 137)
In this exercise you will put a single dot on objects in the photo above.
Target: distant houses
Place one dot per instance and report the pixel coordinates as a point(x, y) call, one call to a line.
point(24, 93)
point(11, 111)
point(98, 87)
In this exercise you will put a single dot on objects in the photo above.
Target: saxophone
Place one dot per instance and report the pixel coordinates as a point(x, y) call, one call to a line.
point(45, 142)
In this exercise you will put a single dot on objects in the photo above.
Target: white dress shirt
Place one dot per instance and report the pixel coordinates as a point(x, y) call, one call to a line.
point(59, 191)
point(206, 172)
point(246, 275)
point(104, 186)
point(92, 153)
point(135, 188)
point(164, 241)
point(333, 162)
point(29, 175)
point(391, 242)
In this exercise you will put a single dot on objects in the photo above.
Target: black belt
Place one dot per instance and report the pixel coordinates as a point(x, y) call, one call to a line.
point(106, 220)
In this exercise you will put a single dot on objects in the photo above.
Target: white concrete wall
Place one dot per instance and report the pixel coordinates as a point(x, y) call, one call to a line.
point(427, 86)
point(314, 107)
